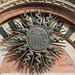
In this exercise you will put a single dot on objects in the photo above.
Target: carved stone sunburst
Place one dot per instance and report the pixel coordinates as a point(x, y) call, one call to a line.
point(36, 37)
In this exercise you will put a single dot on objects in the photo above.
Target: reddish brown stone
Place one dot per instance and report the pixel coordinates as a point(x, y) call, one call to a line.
point(63, 65)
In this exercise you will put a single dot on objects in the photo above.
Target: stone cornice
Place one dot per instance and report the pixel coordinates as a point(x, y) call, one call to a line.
point(19, 9)
point(5, 4)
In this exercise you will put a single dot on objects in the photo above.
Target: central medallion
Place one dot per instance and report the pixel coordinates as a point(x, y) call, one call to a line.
point(38, 39)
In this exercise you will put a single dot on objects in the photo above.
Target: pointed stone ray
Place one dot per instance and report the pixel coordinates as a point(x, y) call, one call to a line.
point(37, 58)
point(27, 66)
point(57, 44)
point(56, 52)
point(41, 64)
point(53, 23)
point(46, 68)
point(19, 44)
point(20, 32)
point(41, 12)
point(43, 15)
point(27, 59)
point(48, 20)
point(53, 61)
point(57, 55)
point(53, 20)
point(25, 14)
point(22, 17)
point(24, 20)
point(34, 18)
point(50, 15)
point(49, 57)
point(58, 32)
point(43, 60)
point(13, 42)
point(23, 62)
point(28, 22)
point(17, 24)
point(59, 35)
point(16, 48)
point(24, 23)
point(60, 52)
point(53, 54)
point(35, 11)
point(21, 22)
point(47, 62)
point(21, 57)
point(38, 17)
point(12, 35)
point(34, 66)
point(15, 32)
point(31, 13)
point(32, 62)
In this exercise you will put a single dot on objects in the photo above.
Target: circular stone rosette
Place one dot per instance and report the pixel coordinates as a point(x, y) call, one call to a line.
point(36, 37)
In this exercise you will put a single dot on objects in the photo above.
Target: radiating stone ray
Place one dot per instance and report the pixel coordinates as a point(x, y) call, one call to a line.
point(36, 37)
point(31, 14)
point(22, 22)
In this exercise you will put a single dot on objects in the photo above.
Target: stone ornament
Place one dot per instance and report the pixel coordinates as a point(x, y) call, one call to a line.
point(36, 37)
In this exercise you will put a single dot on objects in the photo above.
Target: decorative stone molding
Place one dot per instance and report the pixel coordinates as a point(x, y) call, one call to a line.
point(5, 4)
